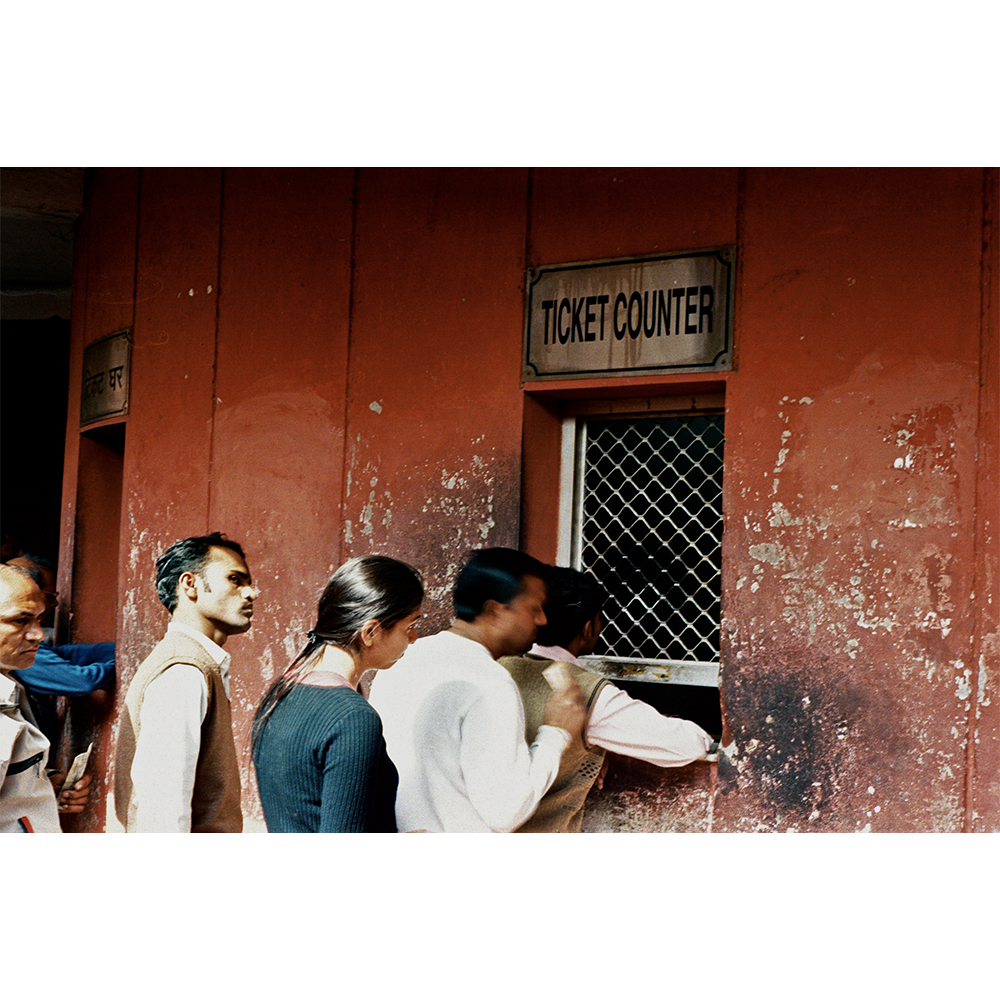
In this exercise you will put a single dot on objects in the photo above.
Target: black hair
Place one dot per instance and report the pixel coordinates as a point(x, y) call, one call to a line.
point(364, 588)
point(189, 555)
point(37, 569)
point(492, 575)
point(573, 600)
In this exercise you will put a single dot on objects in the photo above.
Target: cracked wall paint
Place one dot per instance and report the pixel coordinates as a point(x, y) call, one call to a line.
point(432, 513)
point(858, 577)
point(853, 687)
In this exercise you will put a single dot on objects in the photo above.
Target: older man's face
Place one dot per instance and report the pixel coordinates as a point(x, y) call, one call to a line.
point(48, 586)
point(21, 609)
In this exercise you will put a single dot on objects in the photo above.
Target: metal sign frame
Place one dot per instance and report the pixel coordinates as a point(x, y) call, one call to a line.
point(614, 352)
point(106, 369)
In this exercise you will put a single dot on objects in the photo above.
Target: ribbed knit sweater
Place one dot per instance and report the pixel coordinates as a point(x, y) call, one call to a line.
point(322, 767)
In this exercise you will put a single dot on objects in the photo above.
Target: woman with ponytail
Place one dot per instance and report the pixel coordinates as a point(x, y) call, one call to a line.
point(317, 744)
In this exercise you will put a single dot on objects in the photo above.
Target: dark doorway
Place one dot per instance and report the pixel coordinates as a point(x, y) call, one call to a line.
point(34, 385)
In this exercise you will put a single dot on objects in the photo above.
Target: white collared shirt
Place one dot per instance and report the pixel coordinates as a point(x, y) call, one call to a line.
point(632, 728)
point(166, 755)
point(8, 690)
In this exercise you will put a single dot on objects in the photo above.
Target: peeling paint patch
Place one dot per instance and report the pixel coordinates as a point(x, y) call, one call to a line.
point(781, 517)
point(963, 686)
point(767, 552)
point(368, 511)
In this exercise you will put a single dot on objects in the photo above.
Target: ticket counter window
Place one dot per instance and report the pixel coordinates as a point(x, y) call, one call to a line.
point(646, 521)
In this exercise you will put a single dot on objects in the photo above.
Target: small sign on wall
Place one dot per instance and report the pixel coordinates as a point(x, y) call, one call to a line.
point(106, 365)
point(635, 316)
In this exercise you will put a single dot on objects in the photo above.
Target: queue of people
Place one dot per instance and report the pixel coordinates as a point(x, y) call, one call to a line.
point(492, 724)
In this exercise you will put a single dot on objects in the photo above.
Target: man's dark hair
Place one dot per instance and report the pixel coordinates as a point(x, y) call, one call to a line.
point(573, 600)
point(189, 555)
point(37, 569)
point(492, 575)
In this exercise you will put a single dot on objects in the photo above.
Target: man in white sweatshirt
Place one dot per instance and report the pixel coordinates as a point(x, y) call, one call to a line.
point(453, 718)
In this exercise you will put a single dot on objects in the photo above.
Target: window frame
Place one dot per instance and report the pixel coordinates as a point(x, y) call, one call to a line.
point(696, 673)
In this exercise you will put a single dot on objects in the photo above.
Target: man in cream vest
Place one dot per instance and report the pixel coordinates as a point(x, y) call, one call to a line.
point(176, 769)
point(614, 722)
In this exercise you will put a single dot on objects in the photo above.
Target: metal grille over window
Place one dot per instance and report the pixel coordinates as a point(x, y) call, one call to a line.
point(650, 529)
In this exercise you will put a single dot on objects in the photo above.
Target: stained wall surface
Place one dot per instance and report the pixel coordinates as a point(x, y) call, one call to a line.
point(327, 363)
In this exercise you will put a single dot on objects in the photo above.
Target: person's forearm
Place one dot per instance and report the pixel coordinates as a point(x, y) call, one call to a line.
point(53, 673)
point(632, 728)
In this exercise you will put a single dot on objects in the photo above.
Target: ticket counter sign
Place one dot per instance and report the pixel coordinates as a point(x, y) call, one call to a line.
point(640, 316)
point(106, 365)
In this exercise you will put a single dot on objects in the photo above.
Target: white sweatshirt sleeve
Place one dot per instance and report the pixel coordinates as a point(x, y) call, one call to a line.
point(505, 779)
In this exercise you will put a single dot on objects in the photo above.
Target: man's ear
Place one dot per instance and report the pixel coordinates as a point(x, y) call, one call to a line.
point(491, 608)
point(187, 586)
point(591, 629)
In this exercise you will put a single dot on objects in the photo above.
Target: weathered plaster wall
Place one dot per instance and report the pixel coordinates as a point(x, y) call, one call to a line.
point(433, 412)
point(327, 363)
point(857, 584)
point(850, 472)
point(982, 803)
point(310, 385)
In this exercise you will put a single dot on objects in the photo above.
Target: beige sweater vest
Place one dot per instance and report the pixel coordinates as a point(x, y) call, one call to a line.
point(561, 808)
point(215, 801)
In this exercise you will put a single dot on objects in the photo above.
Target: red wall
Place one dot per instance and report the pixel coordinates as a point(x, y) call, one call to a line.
point(327, 362)
point(851, 472)
point(434, 399)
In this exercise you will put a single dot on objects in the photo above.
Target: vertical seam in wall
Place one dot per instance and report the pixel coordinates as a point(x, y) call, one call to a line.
point(135, 260)
point(124, 534)
point(346, 468)
point(529, 202)
point(529, 195)
point(67, 548)
point(215, 353)
point(980, 516)
point(124, 513)
point(741, 180)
